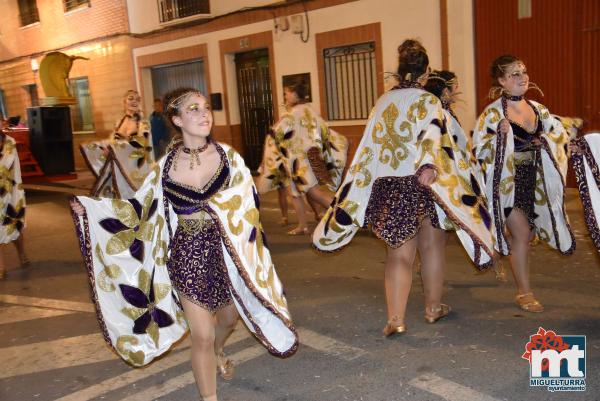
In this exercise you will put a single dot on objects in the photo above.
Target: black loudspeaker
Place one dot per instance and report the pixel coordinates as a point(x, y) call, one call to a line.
point(216, 101)
point(51, 138)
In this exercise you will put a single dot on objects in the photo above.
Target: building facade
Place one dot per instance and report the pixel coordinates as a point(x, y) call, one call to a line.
point(240, 52)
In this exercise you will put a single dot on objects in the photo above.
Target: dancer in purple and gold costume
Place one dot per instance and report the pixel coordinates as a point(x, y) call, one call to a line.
point(404, 181)
point(187, 251)
point(522, 150)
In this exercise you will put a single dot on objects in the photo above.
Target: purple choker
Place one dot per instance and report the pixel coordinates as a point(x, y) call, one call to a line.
point(513, 98)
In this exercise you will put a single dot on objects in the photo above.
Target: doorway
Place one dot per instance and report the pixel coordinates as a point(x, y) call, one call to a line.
point(255, 101)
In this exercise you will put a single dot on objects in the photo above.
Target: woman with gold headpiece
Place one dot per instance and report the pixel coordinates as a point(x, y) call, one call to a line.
point(404, 182)
point(188, 250)
point(121, 163)
point(12, 199)
point(312, 154)
point(522, 150)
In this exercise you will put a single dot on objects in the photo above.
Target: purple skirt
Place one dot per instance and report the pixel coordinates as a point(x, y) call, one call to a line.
point(196, 264)
point(397, 208)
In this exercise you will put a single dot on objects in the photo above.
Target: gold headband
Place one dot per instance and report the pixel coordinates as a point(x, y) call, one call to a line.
point(175, 102)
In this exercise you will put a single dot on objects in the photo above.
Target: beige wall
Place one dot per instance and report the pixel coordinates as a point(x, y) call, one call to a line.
point(57, 29)
point(293, 56)
point(113, 68)
point(144, 18)
point(462, 58)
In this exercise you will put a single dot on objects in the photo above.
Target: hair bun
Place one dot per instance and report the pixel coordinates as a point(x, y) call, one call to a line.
point(412, 59)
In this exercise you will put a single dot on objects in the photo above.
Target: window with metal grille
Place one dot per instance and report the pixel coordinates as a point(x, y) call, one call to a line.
point(82, 116)
point(174, 9)
point(73, 4)
point(28, 12)
point(350, 81)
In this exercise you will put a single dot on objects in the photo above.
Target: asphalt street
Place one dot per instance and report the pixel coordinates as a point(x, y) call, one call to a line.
point(51, 347)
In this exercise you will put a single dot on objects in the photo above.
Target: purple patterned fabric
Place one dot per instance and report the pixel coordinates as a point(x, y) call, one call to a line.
point(196, 264)
point(525, 191)
point(397, 208)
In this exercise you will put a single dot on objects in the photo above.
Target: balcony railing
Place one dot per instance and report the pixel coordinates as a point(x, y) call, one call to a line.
point(175, 9)
point(73, 4)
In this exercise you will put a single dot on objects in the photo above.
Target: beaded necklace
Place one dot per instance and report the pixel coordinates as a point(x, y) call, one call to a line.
point(194, 154)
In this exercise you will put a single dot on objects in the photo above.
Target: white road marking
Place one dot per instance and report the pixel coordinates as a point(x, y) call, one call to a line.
point(50, 355)
point(181, 381)
point(54, 188)
point(135, 375)
point(47, 303)
point(447, 389)
point(14, 314)
point(307, 337)
point(329, 345)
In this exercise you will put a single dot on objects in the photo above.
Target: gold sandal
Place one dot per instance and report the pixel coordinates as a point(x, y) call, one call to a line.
point(284, 222)
point(432, 315)
point(392, 327)
point(225, 367)
point(299, 231)
point(528, 303)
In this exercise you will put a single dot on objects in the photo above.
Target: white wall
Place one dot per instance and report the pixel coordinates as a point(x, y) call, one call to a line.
point(419, 20)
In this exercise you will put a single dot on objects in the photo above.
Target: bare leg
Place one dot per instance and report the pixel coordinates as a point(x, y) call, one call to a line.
point(202, 332)
point(283, 206)
point(2, 265)
point(321, 196)
point(299, 207)
point(519, 257)
point(521, 235)
point(398, 279)
point(227, 318)
point(315, 207)
point(432, 247)
point(20, 245)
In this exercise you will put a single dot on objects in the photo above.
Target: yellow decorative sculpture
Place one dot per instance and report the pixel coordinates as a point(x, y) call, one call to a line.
point(54, 74)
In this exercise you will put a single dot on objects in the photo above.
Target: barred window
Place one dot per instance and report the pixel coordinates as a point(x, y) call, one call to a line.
point(174, 9)
point(73, 4)
point(28, 12)
point(350, 81)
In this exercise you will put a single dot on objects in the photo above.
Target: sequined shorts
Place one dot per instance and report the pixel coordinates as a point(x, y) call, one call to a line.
point(525, 190)
point(397, 208)
point(196, 264)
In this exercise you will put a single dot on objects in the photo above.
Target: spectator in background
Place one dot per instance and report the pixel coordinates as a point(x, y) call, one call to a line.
point(158, 126)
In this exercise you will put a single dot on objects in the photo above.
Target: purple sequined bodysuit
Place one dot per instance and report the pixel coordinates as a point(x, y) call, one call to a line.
point(196, 264)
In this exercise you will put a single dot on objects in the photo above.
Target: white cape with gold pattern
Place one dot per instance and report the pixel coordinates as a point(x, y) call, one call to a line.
point(302, 134)
point(125, 249)
point(272, 173)
point(587, 173)
point(12, 196)
point(405, 133)
point(123, 170)
point(496, 158)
